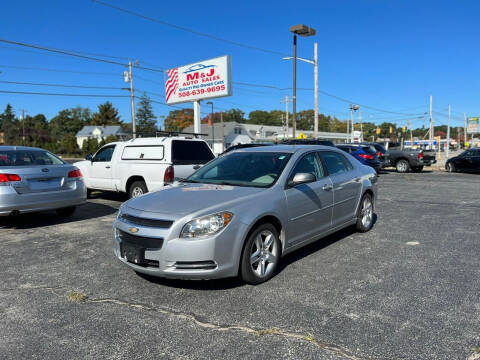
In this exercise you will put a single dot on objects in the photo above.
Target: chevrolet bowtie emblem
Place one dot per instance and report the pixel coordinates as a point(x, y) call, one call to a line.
point(133, 230)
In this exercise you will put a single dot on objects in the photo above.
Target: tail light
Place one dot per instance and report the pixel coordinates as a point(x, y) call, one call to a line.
point(366, 156)
point(169, 175)
point(6, 178)
point(75, 174)
point(420, 155)
point(380, 154)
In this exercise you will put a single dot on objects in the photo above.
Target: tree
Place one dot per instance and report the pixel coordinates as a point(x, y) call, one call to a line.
point(110, 138)
point(146, 121)
point(69, 121)
point(90, 146)
point(178, 120)
point(106, 115)
point(68, 145)
point(9, 126)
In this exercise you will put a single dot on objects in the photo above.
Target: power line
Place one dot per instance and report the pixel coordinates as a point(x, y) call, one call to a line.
point(60, 94)
point(60, 85)
point(73, 54)
point(57, 70)
point(178, 27)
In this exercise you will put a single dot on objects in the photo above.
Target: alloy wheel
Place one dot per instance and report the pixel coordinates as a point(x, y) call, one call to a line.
point(264, 254)
point(137, 191)
point(367, 212)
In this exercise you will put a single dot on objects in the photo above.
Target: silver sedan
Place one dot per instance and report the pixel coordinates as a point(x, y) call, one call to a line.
point(241, 212)
point(33, 179)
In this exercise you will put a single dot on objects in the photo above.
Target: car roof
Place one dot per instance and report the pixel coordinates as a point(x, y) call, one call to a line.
point(9, 147)
point(285, 148)
point(158, 140)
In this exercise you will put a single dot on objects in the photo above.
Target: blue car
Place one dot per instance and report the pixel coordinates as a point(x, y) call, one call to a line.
point(366, 154)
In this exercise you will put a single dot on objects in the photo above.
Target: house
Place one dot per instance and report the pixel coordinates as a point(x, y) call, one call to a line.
point(240, 133)
point(100, 132)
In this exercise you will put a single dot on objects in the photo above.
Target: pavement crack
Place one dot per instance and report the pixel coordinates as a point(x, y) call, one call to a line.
point(305, 337)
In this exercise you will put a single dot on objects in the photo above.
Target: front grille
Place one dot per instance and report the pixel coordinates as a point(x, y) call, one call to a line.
point(140, 241)
point(162, 224)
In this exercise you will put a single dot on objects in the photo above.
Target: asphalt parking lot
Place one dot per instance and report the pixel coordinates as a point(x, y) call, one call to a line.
point(408, 289)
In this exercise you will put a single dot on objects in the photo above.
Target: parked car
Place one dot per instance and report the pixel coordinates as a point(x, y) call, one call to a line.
point(366, 154)
point(307, 142)
point(141, 165)
point(409, 159)
point(33, 179)
point(382, 154)
point(468, 161)
point(243, 146)
point(240, 213)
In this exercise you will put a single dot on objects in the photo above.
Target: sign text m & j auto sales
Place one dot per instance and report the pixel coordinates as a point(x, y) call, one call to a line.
point(203, 80)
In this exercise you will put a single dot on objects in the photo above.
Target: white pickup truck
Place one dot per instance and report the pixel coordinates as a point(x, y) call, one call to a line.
point(141, 165)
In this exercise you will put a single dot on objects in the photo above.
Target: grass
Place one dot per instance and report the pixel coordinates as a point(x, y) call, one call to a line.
point(76, 296)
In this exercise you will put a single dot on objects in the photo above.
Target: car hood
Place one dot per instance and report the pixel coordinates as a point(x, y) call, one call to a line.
point(189, 198)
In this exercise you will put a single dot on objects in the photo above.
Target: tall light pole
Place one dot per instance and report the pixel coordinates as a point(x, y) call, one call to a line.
point(128, 77)
point(447, 152)
point(302, 30)
point(314, 62)
point(352, 109)
point(213, 127)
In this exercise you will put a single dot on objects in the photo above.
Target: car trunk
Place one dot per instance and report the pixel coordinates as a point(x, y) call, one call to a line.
point(44, 178)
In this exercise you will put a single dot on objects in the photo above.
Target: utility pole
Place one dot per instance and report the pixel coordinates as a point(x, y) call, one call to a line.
point(286, 112)
point(411, 133)
point(315, 75)
point(223, 132)
point(128, 77)
point(23, 127)
point(430, 137)
point(464, 130)
point(447, 152)
point(294, 95)
point(361, 126)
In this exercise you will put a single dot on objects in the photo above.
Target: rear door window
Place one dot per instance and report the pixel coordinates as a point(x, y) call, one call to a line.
point(335, 162)
point(186, 152)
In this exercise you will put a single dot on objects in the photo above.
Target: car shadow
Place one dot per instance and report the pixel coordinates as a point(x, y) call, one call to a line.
point(35, 220)
point(230, 283)
point(109, 195)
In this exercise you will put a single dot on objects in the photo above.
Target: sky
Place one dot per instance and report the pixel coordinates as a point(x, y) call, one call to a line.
point(386, 55)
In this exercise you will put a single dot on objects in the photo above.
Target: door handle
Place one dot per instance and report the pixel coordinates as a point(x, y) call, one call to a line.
point(107, 167)
point(327, 187)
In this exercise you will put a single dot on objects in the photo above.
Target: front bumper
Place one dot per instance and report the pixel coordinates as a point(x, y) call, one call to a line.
point(177, 258)
point(13, 202)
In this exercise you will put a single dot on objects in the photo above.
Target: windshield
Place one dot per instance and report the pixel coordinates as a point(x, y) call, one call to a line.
point(10, 158)
point(258, 169)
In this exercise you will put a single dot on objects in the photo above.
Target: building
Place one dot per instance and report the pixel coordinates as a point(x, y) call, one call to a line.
point(100, 132)
point(240, 133)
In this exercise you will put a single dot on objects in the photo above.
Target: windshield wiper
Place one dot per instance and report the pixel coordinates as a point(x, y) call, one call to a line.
point(188, 181)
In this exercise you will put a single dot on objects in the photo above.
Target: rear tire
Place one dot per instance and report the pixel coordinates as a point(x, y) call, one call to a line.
point(365, 214)
point(136, 189)
point(417, 169)
point(450, 167)
point(260, 255)
point(64, 212)
point(402, 166)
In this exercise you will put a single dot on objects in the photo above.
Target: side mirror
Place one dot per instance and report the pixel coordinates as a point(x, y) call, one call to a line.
point(89, 157)
point(302, 178)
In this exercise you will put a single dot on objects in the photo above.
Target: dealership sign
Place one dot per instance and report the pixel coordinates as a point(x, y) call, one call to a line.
point(202, 80)
point(472, 125)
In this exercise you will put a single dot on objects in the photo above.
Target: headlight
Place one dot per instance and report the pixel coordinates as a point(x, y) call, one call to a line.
point(206, 225)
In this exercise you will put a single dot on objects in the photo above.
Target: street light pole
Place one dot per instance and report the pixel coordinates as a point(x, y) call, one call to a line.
point(447, 152)
point(301, 30)
point(213, 127)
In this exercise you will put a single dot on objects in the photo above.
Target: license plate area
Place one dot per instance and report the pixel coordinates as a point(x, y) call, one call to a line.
point(133, 253)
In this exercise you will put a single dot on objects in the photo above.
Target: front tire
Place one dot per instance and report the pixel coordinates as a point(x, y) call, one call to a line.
point(451, 167)
point(365, 214)
point(64, 212)
point(260, 255)
point(136, 189)
point(402, 166)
